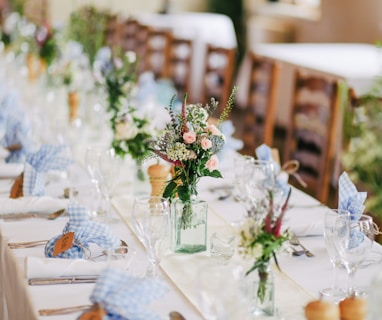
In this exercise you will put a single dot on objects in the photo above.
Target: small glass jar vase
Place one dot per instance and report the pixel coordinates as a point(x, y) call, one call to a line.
point(189, 226)
point(259, 290)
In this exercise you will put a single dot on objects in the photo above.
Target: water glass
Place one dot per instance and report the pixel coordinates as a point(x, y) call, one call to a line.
point(222, 246)
point(120, 257)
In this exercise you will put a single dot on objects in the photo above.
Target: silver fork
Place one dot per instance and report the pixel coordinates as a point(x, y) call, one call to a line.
point(294, 240)
point(66, 310)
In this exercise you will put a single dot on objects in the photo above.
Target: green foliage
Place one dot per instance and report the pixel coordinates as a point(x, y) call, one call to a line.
point(87, 26)
point(363, 158)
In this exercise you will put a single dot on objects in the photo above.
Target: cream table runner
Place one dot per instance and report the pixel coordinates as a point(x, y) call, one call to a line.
point(183, 269)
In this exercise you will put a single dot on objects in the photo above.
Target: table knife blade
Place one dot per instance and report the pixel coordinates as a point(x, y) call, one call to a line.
point(62, 280)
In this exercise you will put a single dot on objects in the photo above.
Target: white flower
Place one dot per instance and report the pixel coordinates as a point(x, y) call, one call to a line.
point(125, 130)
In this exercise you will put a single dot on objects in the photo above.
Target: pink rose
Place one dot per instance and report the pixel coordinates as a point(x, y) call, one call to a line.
point(213, 163)
point(206, 143)
point(214, 130)
point(189, 137)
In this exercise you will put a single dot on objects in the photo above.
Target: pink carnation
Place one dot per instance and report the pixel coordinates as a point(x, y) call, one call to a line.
point(206, 143)
point(189, 137)
point(214, 130)
point(212, 163)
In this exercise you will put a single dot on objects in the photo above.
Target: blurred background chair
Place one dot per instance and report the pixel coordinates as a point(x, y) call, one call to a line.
point(218, 74)
point(312, 131)
point(157, 51)
point(259, 114)
point(179, 64)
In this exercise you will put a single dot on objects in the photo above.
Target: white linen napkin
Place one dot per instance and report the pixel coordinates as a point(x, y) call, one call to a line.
point(10, 170)
point(43, 204)
point(5, 187)
point(315, 228)
point(55, 267)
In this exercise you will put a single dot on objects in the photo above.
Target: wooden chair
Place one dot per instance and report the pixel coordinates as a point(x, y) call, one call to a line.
point(157, 52)
point(179, 64)
point(313, 130)
point(113, 32)
point(260, 111)
point(218, 74)
point(128, 32)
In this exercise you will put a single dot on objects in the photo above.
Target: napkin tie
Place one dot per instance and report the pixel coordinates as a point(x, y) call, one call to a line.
point(85, 232)
point(38, 164)
point(125, 297)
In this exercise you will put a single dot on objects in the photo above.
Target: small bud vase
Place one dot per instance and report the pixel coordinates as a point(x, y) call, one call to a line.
point(189, 226)
point(259, 290)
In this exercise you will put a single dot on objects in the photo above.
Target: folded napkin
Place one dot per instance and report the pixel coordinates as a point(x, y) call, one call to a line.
point(3, 152)
point(306, 229)
point(227, 129)
point(17, 128)
point(349, 198)
point(10, 170)
point(38, 164)
point(264, 152)
point(85, 232)
point(126, 297)
point(5, 187)
point(43, 204)
point(53, 268)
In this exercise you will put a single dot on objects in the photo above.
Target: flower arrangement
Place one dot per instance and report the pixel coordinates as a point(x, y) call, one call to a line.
point(87, 26)
point(46, 44)
point(133, 135)
point(260, 240)
point(190, 143)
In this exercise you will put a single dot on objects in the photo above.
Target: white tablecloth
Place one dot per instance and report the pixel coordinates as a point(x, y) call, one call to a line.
point(202, 28)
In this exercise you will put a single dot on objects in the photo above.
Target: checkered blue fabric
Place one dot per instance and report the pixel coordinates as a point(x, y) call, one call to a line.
point(85, 232)
point(125, 297)
point(349, 198)
point(38, 163)
point(263, 152)
point(17, 128)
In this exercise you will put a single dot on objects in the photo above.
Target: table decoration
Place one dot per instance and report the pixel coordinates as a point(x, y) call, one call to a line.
point(17, 132)
point(85, 232)
point(47, 158)
point(260, 240)
point(47, 46)
point(190, 144)
point(124, 297)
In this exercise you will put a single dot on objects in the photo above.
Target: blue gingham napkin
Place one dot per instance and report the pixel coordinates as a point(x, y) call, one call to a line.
point(227, 129)
point(349, 198)
point(263, 152)
point(352, 200)
point(16, 128)
point(125, 297)
point(85, 232)
point(38, 164)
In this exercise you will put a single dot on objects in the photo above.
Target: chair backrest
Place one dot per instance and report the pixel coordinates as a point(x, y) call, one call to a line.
point(179, 64)
point(113, 32)
point(128, 33)
point(218, 74)
point(312, 131)
point(158, 51)
point(260, 112)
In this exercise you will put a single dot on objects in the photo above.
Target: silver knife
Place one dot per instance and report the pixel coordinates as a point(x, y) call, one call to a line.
point(14, 216)
point(62, 280)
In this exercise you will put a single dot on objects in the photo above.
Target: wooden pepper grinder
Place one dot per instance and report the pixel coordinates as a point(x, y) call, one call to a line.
point(158, 174)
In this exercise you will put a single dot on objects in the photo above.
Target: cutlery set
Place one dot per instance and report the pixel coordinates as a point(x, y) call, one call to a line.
point(62, 280)
point(28, 215)
point(295, 241)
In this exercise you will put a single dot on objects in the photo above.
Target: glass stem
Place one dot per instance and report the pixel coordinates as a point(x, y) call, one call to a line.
point(351, 274)
point(334, 278)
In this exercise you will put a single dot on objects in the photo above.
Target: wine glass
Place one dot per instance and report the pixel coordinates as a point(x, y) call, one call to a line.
point(354, 237)
point(109, 165)
point(150, 219)
point(92, 156)
point(259, 180)
point(334, 292)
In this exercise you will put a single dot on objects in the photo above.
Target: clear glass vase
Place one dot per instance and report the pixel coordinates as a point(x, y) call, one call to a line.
point(189, 226)
point(259, 290)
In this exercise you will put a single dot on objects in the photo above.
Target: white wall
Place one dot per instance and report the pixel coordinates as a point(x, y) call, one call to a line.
point(61, 9)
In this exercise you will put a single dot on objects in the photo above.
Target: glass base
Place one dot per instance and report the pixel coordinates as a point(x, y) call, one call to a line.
point(333, 294)
point(190, 249)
